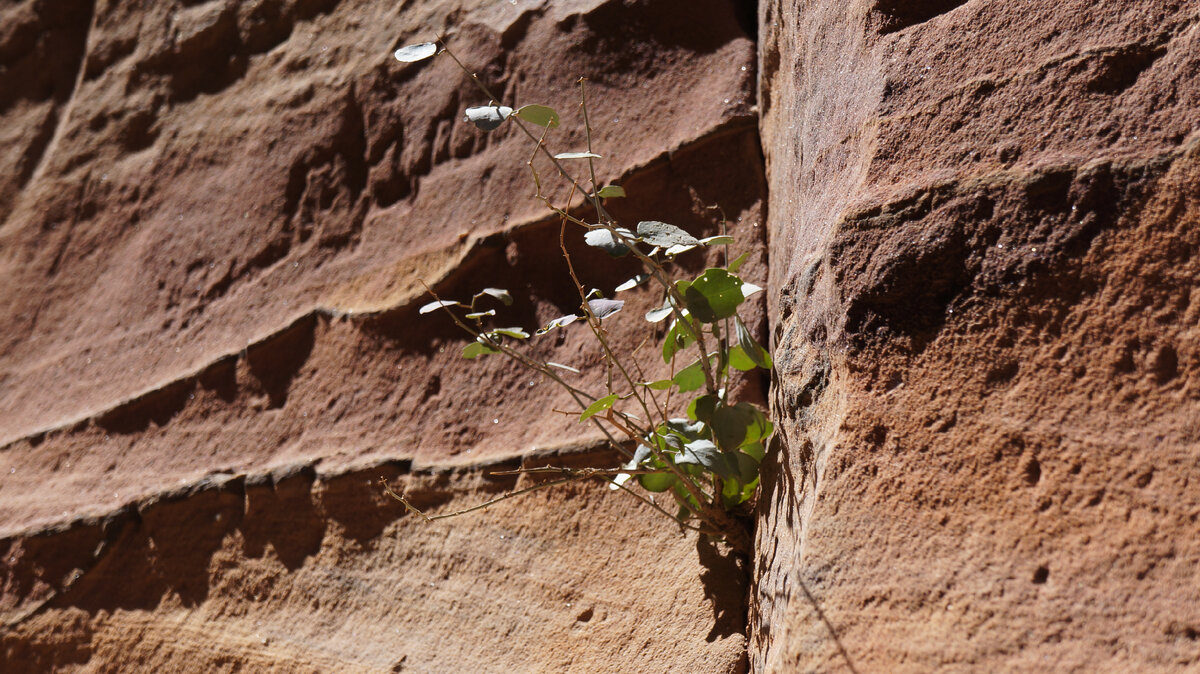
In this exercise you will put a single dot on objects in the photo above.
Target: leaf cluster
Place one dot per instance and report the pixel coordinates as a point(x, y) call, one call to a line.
point(707, 461)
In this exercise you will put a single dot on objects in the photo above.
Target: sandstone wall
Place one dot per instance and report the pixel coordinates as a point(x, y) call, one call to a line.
point(984, 237)
point(214, 221)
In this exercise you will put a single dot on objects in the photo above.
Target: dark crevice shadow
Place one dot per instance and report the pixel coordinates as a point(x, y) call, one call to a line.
point(725, 576)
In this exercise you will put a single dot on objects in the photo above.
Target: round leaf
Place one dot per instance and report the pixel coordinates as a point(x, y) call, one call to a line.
point(701, 409)
point(714, 296)
point(538, 114)
point(691, 377)
point(477, 349)
point(656, 482)
point(611, 192)
point(488, 117)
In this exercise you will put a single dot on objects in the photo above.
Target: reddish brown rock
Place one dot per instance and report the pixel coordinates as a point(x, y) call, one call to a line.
point(984, 242)
point(214, 221)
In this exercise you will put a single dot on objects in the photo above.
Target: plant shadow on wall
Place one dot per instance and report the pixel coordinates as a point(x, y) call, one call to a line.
point(691, 449)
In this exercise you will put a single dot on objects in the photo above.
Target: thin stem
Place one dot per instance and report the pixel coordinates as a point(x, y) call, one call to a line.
point(503, 497)
point(584, 472)
point(545, 370)
point(659, 508)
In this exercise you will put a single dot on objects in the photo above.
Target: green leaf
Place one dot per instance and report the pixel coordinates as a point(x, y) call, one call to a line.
point(415, 52)
point(730, 423)
point(750, 347)
point(604, 239)
point(661, 234)
point(599, 406)
point(747, 467)
point(738, 360)
point(477, 349)
point(719, 240)
point(538, 114)
point(576, 155)
point(515, 333)
point(706, 454)
point(691, 377)
point(633, 283)
point(488, 117)
point(701, 408)
point(498, 293)
point(660, 385)
point(434, 306)
point(678, 338)
point(611, 192)
point(656, 482)
point(482, 314)
point(754, 449)
point(737, 263)
point(713, 296)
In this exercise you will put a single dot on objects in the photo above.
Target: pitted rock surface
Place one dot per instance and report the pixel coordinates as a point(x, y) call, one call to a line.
point(215, 222)
point(984, 226)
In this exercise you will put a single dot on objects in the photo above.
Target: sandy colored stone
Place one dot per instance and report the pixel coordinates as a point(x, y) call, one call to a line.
point(214, 223)
point(984, 236)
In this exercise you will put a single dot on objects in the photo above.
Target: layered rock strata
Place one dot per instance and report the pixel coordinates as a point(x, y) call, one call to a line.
point(984, 252)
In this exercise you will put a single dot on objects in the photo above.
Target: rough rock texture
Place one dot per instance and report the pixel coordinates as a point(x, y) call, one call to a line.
point(214, 221)
point(985, 246)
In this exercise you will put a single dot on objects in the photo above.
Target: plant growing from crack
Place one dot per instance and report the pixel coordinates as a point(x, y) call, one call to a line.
point(708, 461)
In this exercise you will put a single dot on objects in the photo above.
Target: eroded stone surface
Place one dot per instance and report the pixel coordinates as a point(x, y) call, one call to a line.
point(984, 243)
point(214, 221)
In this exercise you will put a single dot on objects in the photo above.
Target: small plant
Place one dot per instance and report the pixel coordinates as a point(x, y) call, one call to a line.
point(707, 462)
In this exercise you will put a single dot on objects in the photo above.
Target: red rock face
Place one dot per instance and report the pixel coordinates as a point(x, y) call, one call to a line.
point(984, 236)
point(215, 219)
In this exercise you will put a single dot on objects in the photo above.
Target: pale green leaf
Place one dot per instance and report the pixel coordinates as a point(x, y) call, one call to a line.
point(737, 263)
point(538, 114)
point(598, 406)
point(477, 349)
point(515, 333)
